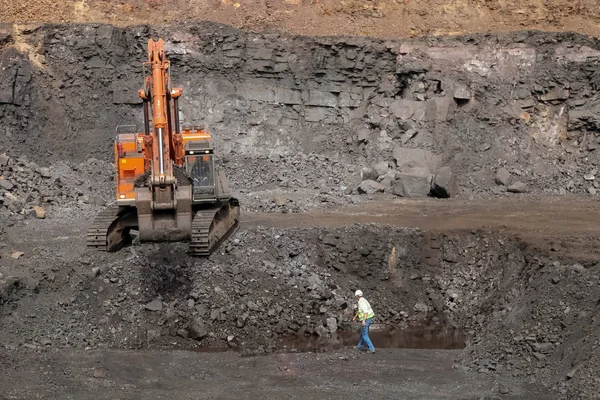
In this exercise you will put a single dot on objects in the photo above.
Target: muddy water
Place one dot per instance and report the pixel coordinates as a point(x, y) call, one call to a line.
point(418, 337)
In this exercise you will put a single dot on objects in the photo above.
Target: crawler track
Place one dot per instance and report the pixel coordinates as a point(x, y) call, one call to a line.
point(106, 232)
point(212, 226)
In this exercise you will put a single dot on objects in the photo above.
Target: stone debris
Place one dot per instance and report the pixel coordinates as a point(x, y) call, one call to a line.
point(28, 190)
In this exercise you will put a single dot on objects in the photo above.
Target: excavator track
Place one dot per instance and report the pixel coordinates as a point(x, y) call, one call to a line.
point(106, 233)
point(212, 226)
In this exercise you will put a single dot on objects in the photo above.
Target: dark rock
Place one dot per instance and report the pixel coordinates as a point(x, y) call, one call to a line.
point(326, 294)
point(197, 329)
point(502, 177)
point(330, 240)
point(445, 183)
point(8, 287)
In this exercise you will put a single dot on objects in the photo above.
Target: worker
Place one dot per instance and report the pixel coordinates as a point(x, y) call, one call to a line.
point(365, 314)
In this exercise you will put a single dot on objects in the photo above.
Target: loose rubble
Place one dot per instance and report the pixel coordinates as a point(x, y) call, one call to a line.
point(28, 190)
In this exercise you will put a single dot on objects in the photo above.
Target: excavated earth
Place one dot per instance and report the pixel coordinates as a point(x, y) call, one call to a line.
point(338, 149)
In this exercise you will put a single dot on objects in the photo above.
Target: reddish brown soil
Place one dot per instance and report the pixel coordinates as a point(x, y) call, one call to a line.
point(378, 18)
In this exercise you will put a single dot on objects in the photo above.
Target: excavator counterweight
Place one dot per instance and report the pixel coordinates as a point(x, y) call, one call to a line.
point(168, 187)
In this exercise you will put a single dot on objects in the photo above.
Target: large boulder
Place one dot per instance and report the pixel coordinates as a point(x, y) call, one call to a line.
point(415, 180)
point(425, 158)
point(398, 188)
point(370, 187)
point(444, 184)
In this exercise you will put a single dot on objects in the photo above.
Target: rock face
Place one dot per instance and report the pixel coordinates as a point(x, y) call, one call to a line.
point(320, 109)
point(445, 183)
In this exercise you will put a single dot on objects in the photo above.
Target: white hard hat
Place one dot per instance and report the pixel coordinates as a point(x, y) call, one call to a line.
point(358, 293)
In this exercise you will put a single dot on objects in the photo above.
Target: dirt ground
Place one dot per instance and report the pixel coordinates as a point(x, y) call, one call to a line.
point(388, 374)
point(375, 18)
point(570, 224)
point(34, 370)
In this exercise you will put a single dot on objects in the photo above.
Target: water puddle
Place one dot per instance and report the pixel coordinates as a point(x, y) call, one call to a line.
point(418, 337)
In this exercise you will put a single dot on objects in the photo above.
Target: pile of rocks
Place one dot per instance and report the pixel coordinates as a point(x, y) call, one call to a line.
point(410, 175)
point(30, 190)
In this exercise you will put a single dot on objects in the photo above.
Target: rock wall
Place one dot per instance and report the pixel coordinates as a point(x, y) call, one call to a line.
point(526, 101)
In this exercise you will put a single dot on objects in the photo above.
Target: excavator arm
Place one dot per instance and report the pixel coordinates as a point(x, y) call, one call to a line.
point(163, 145)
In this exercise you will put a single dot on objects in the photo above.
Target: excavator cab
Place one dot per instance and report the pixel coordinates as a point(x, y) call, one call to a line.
point(199, 164)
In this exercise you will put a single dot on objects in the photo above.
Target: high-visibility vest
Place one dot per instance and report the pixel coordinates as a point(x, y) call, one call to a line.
point(370, 313)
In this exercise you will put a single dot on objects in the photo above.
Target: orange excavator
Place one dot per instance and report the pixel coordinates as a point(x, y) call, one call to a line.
point(168, 188)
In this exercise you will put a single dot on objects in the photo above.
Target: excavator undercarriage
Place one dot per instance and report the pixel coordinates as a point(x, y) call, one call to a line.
point(168, 188)
point(210, 226)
